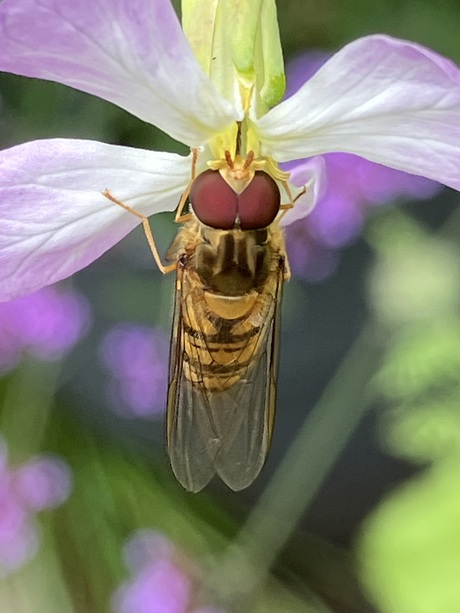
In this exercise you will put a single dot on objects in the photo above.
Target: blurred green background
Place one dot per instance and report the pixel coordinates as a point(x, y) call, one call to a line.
point(357, 508)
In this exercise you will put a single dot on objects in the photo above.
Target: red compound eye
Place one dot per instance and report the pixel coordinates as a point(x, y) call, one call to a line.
point(214, 202)
point(218, 206)
point(259, 203)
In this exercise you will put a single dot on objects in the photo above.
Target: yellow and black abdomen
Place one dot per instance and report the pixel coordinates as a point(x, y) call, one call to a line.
point(225, 306)
point(221, 335)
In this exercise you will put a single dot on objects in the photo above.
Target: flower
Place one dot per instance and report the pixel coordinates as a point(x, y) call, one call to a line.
point(352, 186)
point(389, 101)
point(42, 483)
point(158, 584)
point(45, 324)
point(136, 357)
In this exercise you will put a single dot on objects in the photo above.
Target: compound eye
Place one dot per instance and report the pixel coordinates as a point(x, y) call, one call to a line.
point(259, 203)
point(213, 200)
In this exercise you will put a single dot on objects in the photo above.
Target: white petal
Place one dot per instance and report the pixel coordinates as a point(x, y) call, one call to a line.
point(54, 219)
point(130, 52)
point(387, 100)
point(310, 174)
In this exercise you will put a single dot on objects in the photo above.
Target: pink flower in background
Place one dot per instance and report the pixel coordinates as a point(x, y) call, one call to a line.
point(42, 483)
point(137, 358)
point(352, 185)
point(158, 583)
point(390, 101)
point(45, 325)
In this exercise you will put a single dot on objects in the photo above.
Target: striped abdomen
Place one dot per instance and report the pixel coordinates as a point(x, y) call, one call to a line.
point(227, 295)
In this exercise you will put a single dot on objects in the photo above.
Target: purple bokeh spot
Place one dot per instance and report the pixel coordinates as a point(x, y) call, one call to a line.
point(42, 483)
point(12, 514)
point(159, 583)
point(146, 547)
point(45, 324)
point(18, 547)
point(370, 183)
point(302, 68)
point(136, 356)
point(158, 588)
point(308, 258)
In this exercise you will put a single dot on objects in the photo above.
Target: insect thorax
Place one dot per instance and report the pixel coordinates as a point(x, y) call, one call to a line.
point(228, 287)
point(232, 262)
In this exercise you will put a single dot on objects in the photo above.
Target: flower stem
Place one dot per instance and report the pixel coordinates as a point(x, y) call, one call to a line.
point(28, 401)
point(306, 465)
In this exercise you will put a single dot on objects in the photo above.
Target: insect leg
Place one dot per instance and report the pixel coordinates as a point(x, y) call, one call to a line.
point(287, 269)
point(286, 207)
point(147, 230)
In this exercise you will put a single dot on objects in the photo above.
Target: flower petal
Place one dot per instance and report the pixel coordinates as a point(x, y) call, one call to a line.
point(130, 52)
point(387, 100)
point(54, 219)
point(310, 174)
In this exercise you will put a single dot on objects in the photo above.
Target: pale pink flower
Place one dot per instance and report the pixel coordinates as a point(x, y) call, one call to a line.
point(390, 101)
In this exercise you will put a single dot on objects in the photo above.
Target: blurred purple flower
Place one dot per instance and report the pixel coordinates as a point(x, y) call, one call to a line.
point(159, 583)
point(45, 324)
point(301, 69)
point(42, 483)
point(353, 186)
point(136, 357)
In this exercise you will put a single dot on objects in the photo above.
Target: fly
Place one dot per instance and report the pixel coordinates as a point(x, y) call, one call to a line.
point(230, 262)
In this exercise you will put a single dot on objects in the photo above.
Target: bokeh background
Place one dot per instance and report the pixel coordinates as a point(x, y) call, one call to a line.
point(358, 507)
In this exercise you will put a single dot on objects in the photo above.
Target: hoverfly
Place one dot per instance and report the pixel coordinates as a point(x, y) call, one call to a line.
point(230, 263)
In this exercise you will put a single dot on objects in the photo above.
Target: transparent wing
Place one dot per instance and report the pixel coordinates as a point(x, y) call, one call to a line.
point(227, 429)
point(192, 459)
